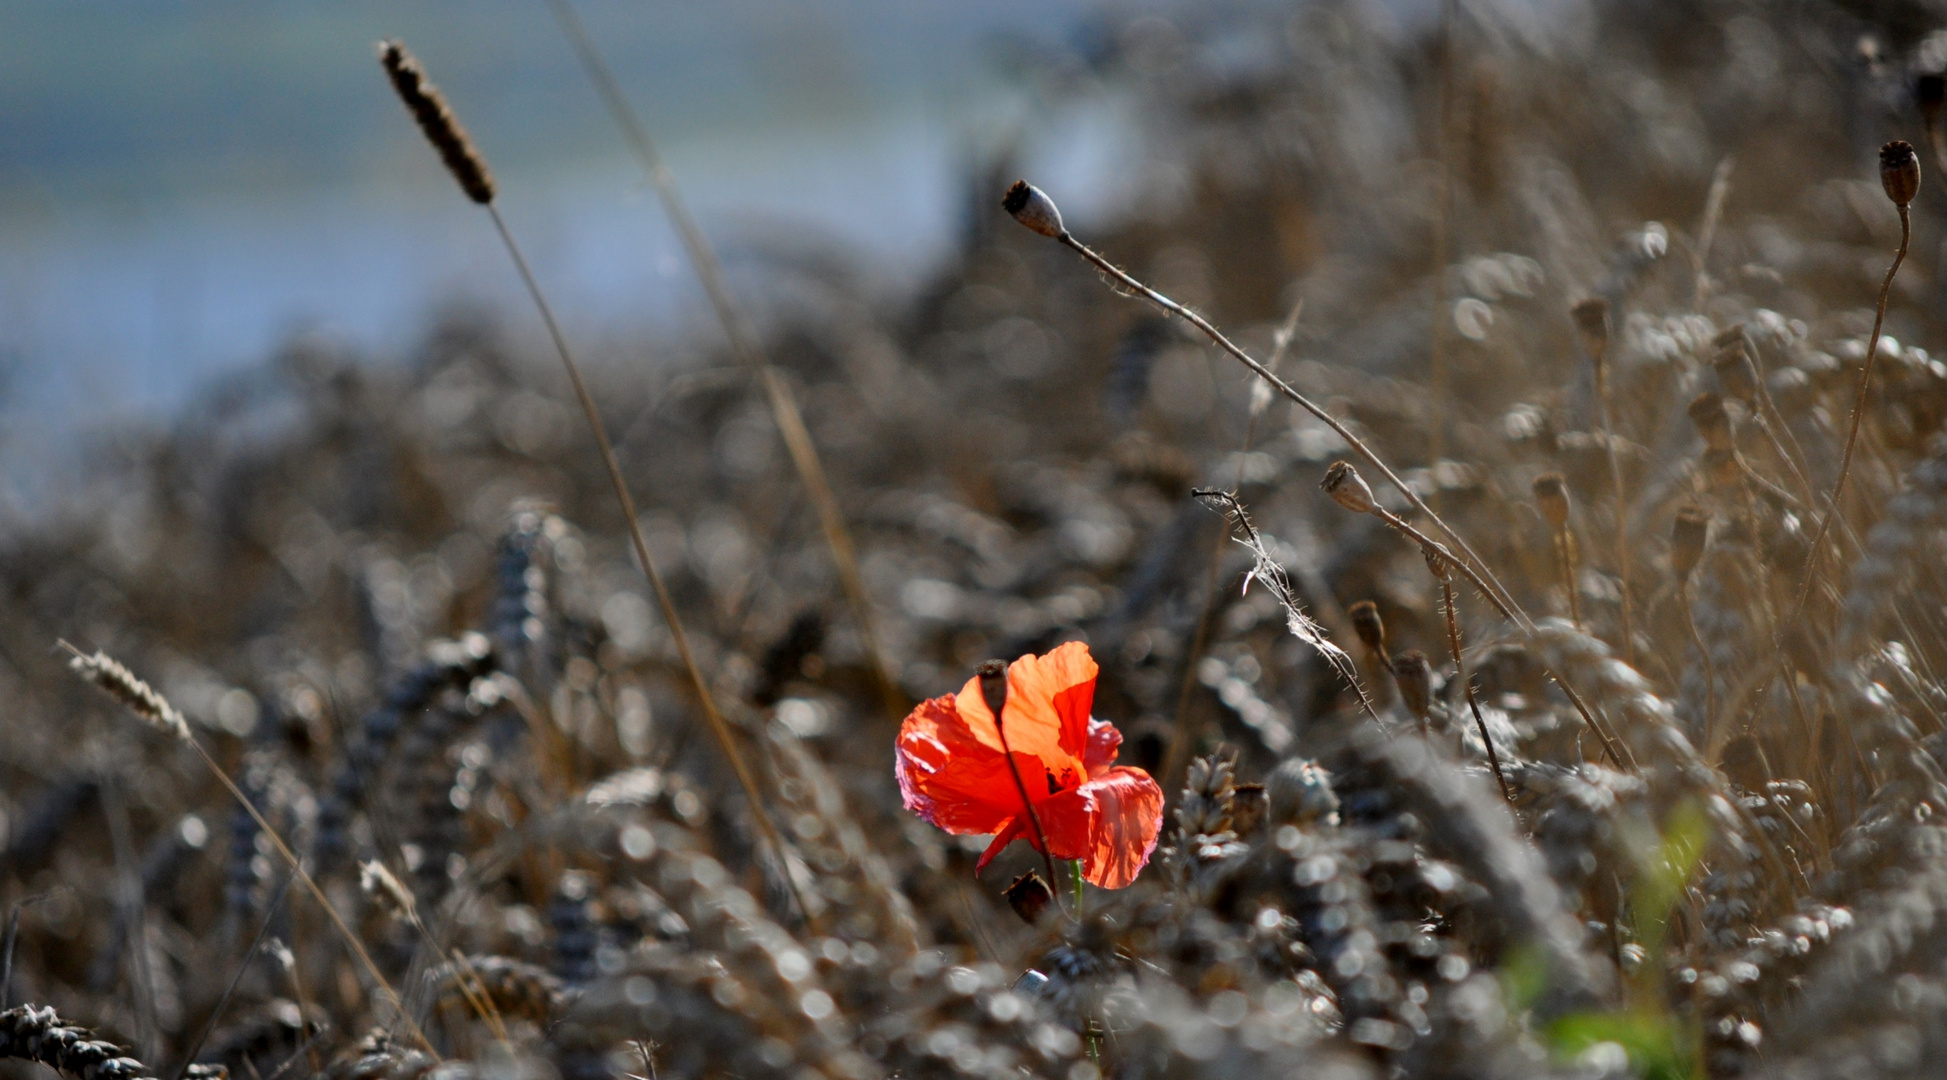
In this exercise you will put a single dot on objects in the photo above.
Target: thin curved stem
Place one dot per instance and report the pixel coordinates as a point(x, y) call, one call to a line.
point(1858, 411)
point(719, 727)
point(1503, 600)
point(1460, 673)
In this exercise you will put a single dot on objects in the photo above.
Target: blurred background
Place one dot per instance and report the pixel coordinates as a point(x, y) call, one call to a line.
point(184, 187)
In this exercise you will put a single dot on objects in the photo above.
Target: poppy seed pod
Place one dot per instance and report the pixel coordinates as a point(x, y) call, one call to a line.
point(1687, 536)
point(1551, 495)
point(1031, 207)
point(1899, 171)
point(1347, 488)
point(1735, 373)
point(1591, 317)
point(1713, 423)
point(1029, 896)
point(1369, 626)
point(1930, 91)
point(993, 686)
point(1415, 678)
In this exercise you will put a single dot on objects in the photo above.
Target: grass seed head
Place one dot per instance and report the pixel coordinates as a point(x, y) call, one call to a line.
point(137, 696)
point(427, 106)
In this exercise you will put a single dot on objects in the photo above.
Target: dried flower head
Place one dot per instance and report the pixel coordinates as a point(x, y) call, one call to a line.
point(1735, 372)
point(1369, 626)
point(1713, 423)
point(1415, 678)
point(1551, 495)
point(1687, 536)
point(379, 883)
point(1591, 316)
point(1347, 488)
point(953, 770)
point(1899, 171)
point(424, 101)
point(1031, 207)
point(1029, 896)
point(137, 696)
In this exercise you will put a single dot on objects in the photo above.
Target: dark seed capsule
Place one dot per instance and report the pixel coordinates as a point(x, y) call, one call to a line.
point(1899, 171)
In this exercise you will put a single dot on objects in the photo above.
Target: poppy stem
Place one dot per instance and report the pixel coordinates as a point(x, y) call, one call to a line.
point(993, 688)
point(1075, 876)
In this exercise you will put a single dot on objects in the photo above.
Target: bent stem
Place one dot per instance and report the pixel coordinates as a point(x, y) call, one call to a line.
point(1503, 600)
point(1020, 788)
point(1460, 673)
point(1433, 550)
point(719, 728)
point(1858, 412)
point(743, 345)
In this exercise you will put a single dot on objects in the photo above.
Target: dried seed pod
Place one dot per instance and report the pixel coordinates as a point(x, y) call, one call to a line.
point(1415, 678)
point(1031, 207)
point(1551, 495)
point(993, 685)
point(437, 121)
point(1713, 423)
point(1899, 171)
point(1347, 488)
point(1029, 896)
point(1439, 562)
point(1248, 805)
point(1687, 537)
point(1735, 372)
point(1591, 317)
point(1369, 626)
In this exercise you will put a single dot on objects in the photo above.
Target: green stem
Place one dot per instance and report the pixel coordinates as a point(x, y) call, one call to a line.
point(1075, 879)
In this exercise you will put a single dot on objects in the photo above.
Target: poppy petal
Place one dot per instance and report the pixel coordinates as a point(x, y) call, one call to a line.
point(1016, 829)
point(1048, 701)
point(948, 776)
point(1104, 742)
point(1124, 817)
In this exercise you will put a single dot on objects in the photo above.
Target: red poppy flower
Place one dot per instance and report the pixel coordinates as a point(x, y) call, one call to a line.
point(953, 773)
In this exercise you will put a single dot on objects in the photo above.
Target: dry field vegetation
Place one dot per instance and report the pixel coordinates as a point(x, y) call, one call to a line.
point(1600, 291)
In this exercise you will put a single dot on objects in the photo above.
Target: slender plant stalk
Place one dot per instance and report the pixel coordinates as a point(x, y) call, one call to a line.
point(1478, 571)
point(1467, 685)
point(133, 907)
point(1622, 509)
point(1858, 412)
point(743, 344)
point(993, 687)
point(243, 966)
point(719, 727)
point(1565, 559)
point(1710, 669)
point(1177, 758)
